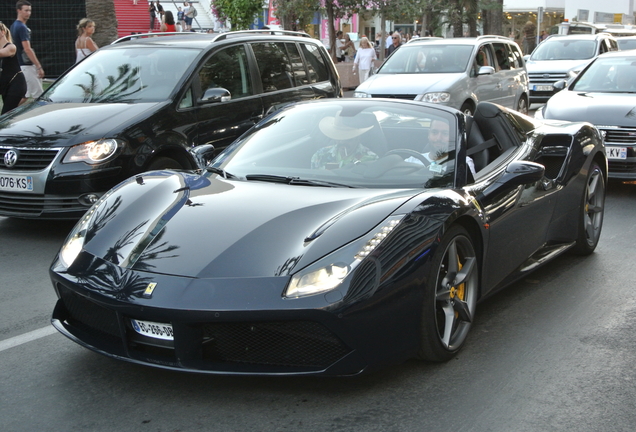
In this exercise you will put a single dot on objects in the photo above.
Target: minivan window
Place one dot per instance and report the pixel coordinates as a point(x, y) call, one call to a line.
point(227, 69)
point(298, 67)
point(428, 58)
point(140, 74)
point(274, 65)
point(315, 63)
point(501, 56)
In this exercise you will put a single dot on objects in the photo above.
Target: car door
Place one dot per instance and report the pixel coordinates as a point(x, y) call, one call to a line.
point(507, 75)
point(282, 79)
point(219, 122)
point(486, 87)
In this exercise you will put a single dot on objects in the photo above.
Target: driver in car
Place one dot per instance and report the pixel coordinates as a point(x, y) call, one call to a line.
point(439, 147)
point(347, 148)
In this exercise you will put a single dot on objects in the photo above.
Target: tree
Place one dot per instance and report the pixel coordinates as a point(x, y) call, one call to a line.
point(240, 13)
point(103, 13)
point(296, 14)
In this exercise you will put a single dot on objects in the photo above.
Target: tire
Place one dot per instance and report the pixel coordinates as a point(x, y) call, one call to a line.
point(522, 105)
point(591, 212)
point(163, 162)
point(467, 109)
point(450, 297)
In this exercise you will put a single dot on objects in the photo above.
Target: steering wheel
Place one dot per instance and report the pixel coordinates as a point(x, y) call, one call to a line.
point(407, 153)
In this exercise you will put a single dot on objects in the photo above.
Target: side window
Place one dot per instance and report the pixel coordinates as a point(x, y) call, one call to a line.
point(613, 45)
point(603, 46)
point(501, 56)
point(514, 57)
point(484, 57)
point(315, 63)
point(187, 101)
point(227, 69)
point(298, 67)
point(274, 65)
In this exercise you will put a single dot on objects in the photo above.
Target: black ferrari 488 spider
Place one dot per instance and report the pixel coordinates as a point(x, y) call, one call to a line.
point(333, 238)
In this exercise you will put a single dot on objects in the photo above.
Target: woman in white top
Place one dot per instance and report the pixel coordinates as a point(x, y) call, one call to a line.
point(84, 45)
point(364, 59)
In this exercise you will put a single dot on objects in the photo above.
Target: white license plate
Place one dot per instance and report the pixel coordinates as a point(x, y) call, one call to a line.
point(16, 183)
point(153, 329)
point(616, 152)
point(543, 88)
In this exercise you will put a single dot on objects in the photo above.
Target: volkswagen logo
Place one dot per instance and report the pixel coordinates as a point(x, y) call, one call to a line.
point(546, 76)
point(11, 158)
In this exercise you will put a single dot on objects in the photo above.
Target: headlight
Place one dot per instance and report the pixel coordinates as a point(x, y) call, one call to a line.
point(74, 242)
point(361, 94)
point(329, 272)
point(437, 97)
point(93, 152)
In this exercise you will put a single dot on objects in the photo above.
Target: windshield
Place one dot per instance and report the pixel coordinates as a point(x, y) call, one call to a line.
point(564, 49)
point(140, 74)
point(626, 44)
point(608, 75)
point(428, 58)
point(349, 144)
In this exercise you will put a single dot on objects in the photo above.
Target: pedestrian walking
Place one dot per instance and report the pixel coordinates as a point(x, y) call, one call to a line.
point(29, 63)
point(84, 45)
point(12, 83)
point(364, 59)
point(153, 14)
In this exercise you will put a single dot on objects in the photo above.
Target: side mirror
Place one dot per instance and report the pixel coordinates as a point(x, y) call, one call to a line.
point(526, 57)
point(560, 84)
point(217, 94)
point(486, 70)
point(203, 154)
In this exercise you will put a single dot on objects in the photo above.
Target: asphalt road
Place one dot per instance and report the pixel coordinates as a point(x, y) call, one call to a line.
point(553, 352)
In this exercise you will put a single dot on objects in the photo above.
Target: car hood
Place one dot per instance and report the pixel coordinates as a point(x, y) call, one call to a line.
point(390, 84)
point(554, 66)
point(42, 124)
point(205, 226)
point(597, 108)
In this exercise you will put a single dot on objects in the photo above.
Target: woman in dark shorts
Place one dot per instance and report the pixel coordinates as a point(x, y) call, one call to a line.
point(12, 83)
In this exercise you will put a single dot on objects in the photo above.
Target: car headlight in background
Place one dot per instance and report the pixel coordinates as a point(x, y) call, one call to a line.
point(361, 94)
point(93, 152)
point(436, 97)
point(329, 272)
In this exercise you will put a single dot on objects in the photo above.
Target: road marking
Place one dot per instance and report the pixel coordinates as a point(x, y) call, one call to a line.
point(27, 337)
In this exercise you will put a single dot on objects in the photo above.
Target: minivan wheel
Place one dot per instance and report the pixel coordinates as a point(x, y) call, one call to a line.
point(163, 162)
point(522, 105)
point(467, 109)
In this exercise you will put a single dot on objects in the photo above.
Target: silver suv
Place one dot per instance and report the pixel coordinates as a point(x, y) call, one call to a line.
point(457, 72)
point(561, 58)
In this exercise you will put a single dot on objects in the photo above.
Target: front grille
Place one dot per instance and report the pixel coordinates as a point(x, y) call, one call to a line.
point(619, 136)
point(31, 159)
point(89, 316)
point(546, 78)
point(394, 96)
point(615, 166)
point(30, 205)
point(293, 343)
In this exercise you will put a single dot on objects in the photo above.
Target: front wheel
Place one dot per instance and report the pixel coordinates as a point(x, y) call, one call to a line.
point(450, 296)
point(467, 109)
point(591, 213)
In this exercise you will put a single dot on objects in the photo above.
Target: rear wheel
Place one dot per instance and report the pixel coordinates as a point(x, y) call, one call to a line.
point(522, 105)
point(592, 210)
point(450, 296)
point(163, 162)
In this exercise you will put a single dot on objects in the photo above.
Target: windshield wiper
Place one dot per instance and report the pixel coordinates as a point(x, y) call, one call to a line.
point(293, 180)
point(221, 171)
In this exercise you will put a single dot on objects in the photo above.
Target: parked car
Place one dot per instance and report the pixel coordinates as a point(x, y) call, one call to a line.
point(457, 73)
point(561, 58)
point(315, 245)
point(149, 103)
point(603, 94)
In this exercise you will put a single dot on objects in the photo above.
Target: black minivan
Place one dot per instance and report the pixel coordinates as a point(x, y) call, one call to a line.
point(149, 102)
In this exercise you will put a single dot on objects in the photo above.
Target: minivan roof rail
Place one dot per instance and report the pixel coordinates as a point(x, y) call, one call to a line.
point(147, 35)
point(493, 36)
point(223, 36)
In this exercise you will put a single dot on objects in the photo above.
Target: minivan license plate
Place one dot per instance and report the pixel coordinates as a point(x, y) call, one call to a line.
point(153, 329)
point(616, 152)
point(543, 88)
point(16, 183)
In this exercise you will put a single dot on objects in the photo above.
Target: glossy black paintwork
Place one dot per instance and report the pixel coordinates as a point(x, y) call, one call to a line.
point(223, 250)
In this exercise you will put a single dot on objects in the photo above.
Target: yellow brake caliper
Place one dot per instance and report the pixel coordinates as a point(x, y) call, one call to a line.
point(459, 291)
